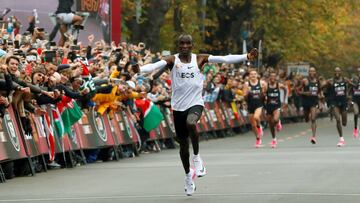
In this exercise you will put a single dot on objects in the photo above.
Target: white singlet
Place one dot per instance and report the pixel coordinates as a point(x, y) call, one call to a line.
point(187, 84)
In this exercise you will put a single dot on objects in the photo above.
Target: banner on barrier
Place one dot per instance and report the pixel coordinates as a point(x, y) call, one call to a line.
point(11, 144)
point(116, 129)
point(94, 130)
point(166, 128)
point(124, 128)
point(131, 126)
point(38, 134)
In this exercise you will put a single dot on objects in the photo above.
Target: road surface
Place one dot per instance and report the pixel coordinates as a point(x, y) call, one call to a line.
point(237, 172)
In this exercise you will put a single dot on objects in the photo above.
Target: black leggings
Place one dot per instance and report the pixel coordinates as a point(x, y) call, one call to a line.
point(185, 127)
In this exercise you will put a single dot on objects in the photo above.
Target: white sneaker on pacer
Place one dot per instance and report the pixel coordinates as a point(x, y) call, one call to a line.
point(200, 169)
point(189, 182)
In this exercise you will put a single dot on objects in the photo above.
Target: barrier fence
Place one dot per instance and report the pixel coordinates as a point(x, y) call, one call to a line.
point(96, 131)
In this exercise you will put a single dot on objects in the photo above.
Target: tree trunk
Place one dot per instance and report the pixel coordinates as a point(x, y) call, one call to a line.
point(148, 31)
point(177, 18)
point(230, 18)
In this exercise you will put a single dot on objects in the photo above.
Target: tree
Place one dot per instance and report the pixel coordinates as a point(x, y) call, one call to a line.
point(322, 32)
point(148, 28)
point(182, 17)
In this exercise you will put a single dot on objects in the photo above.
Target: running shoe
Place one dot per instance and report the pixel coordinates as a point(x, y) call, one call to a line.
point(274, 143)
point(313, 140)
point(189, 182)
point(260, 131)
point(200, 169)
point(341, 142)
point(356, 133)
point(279, 126)
point(258, 143)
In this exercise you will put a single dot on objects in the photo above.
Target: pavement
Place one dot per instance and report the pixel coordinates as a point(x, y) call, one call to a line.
point(296, 171)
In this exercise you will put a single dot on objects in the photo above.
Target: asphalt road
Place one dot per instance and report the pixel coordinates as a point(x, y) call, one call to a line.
point(237, 172)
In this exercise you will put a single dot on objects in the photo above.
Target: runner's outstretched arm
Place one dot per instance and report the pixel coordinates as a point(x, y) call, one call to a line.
point(167, 62)
point(205, 58)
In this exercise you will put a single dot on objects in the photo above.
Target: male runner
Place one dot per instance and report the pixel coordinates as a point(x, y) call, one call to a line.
point(273, 106)
point(310, 91)
point(186, 101)
point(339, 86)
point(355, 91)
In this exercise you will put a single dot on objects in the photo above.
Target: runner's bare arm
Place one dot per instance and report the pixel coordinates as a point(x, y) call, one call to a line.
point(349, 81)
point(301, 88)
point(205, 58)
point(263, 85)
point(167, 62)
point(282, 86)
point(326, 84)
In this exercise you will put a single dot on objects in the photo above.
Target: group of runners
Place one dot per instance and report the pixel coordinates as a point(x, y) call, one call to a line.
point(265, 95)
point(187, 101)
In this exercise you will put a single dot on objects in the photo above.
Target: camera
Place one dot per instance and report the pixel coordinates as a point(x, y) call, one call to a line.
point(30, 58)
point(49, 56)
point(141, 45)
point(74, 48)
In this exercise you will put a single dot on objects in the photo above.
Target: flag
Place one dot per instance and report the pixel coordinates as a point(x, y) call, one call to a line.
point(50, 137)
point(235, 110)
point(59, 126)
point(70, 113)
point(152, 114)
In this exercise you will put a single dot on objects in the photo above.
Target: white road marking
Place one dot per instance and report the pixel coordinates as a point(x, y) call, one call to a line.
point(183, 195)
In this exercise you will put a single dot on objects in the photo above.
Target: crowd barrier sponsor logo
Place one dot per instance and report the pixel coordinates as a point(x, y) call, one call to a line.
point(169, 119)
point(73, 136)
point(121, 120)
point(127, 126)
point(213, 115)
point(12, 134)
point(99, 125)
point(88, 5)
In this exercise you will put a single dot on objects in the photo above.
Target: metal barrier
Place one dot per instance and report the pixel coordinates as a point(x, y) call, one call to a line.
point(96, 131)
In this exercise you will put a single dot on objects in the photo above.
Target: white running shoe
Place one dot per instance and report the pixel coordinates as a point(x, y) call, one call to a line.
point(199, 166)
point(189, 182)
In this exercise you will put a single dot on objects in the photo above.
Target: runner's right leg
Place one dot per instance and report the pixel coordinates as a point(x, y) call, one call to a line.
point(313, 120)
point(182, 136)
point(256, 126)
point(356, 115)
point(271, 125)
point(338, 116)
point(307, 116)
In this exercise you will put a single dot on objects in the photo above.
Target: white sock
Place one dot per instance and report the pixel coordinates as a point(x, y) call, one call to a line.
point(196, 156)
